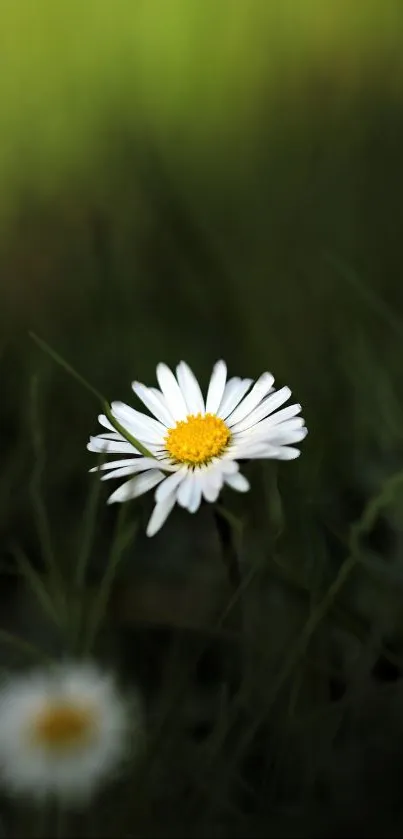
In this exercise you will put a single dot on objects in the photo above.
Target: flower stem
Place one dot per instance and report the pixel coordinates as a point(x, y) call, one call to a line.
point(228, 549)
point(99, 606)
point(38, 502)
point(230, 559)
point(104, 402)
point(125, 433)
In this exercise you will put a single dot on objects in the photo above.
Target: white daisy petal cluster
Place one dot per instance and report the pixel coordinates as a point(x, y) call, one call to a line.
point(195, 443)
point(62, 731)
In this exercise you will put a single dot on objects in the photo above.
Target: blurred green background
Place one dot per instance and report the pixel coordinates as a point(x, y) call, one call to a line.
point(200, 180)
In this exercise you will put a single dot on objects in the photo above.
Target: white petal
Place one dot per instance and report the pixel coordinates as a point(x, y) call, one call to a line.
point(110, 446)
point(190, 388)
point(155, 403)
point(185, 490)
point(103, 420)
point(216, 476)
point(266, 451)
point(284, 436)
point(287, 425)
point(259, 390)
point(247, 449)
point(123, 472)
point(110, 435)
point(238, 482)
point(172, 392)
point(267, 431)
point(170, 484)
point(285, 453)
point(211, 481)
point(235, 390)
point(141, 464)
point(160, 514)
point(264, 409)
point(229, 466)
point(148, 430)
point(116, 464)
point(189, 491)
point(195, 500)
point(162, 399)
point(216, 387)
point(137, 486)
point(285, 414)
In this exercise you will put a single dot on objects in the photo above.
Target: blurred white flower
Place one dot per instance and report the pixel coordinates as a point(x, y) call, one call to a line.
point(197, 442)
point(62, 731)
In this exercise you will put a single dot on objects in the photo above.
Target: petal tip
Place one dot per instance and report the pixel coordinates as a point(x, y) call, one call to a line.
point(162, 367)
point(116, 404)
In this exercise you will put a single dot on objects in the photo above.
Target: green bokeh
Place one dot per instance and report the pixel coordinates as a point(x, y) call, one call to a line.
point(192, 74)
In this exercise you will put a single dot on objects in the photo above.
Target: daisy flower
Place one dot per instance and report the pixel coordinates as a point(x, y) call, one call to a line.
point(195, 443)
point(62, 731)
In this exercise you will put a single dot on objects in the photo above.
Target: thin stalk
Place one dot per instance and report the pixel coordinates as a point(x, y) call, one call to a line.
point(100, 603)
point(229, 552)
point(104, 402)
point(79, 587)
point(39, 504)
point(373, 300)
point(87, 534)
point(125, 433)
point(230, 559)
point(34, 580)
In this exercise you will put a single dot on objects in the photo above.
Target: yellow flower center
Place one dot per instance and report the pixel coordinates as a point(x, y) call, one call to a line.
point(197, 439)
point(62, 725)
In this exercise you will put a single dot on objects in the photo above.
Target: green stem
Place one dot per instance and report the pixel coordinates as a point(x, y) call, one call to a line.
point(375, 302)
point(100, 603)
point(87, 536)
point(66, 366)
point(38, 503)
point(230, 559)
point(104, 402)
point(125, 433)
point(228, 549)
point(79, 587)
point(34, 580)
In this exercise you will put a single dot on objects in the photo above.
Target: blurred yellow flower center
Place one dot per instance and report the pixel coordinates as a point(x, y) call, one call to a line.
point(63, 725)
point(197, 439)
